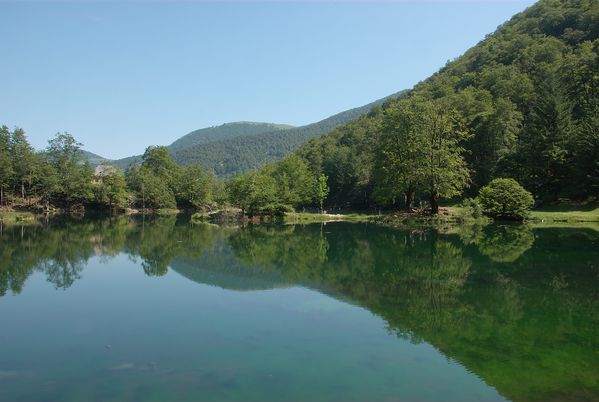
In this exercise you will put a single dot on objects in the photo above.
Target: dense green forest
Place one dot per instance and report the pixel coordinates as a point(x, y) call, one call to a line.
point(60, 176)
point(54, 176)
point(205, 136)
point(523, 103)
point(228, 157)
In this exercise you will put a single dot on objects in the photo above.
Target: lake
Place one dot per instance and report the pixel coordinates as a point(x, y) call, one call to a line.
point(164, 310)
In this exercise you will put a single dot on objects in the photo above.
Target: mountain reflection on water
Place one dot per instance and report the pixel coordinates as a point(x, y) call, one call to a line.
point(518, 307)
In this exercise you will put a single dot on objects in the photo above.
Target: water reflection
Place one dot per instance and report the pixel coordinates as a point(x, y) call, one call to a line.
point(516, 306)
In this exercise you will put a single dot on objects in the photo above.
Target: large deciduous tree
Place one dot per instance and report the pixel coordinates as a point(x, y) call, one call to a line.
point(75, 175)
point(421, 151)
point(22, 160)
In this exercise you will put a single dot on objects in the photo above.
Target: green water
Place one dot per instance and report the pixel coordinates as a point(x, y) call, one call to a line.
point(130, 310)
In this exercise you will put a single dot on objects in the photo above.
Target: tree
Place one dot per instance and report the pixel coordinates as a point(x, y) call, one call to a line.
point(6, 169)
point(295, 182)
point(75, 177)
point(158, 161)
point(256, 194)
point(151, 190)
point(322, 191)
point(195, 187)
point(237, 192)
point(495, 140)
point(587, 175)
point(397, 156)
point(444, 171)
point(544, 144)
point(110, 186)
point(22, 159)
point(47, 182)
point(505, 199)
point(420, 150)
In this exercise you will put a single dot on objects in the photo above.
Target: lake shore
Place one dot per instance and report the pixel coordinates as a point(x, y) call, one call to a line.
point(563, 214)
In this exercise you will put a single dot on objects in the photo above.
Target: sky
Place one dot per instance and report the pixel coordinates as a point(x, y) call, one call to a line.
point(120, 76)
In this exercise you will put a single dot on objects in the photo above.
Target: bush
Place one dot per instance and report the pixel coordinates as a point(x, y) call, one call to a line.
point(274, 210)
point(505, 199)
point(471, 210)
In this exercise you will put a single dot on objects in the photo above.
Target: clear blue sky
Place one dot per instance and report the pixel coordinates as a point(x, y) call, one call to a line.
point(122, 76)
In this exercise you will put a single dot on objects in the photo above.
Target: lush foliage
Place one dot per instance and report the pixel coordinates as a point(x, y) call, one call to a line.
point(56, 175)
point(276, 189)
point(505, 199)
point(419, 152)
point(528, 96)
point(160, 183)
point(60, 176)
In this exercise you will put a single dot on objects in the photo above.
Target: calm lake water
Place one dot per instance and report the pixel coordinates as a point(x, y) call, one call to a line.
point(164, 310)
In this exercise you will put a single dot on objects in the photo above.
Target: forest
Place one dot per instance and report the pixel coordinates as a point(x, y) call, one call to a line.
point(60, 177)
point(523, 104)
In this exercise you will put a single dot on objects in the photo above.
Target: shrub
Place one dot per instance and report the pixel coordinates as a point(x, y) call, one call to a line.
point(505, 199)
point(471, 210)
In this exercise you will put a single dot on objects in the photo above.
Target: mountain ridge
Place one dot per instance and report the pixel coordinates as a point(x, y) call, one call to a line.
point(236, 147)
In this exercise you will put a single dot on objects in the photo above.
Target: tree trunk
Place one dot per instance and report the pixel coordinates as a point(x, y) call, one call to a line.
point(23, 191)
point(1, 196)
point(434, 204)
point(409, 200)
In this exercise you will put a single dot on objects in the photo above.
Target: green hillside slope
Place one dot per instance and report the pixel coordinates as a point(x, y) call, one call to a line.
point(224, 132)
point(93, 159)
point(211, 134)
point(528, 94)
point(237, 155)
point(234, 148)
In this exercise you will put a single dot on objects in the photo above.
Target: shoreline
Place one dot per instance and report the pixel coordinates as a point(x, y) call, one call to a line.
point(561, 215)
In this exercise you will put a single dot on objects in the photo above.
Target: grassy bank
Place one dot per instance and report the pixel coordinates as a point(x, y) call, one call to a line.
point(567, 213)
point(308, 217)
point(14, 216)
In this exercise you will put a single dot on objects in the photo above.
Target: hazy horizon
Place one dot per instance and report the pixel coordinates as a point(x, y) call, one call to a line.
point(122, 76)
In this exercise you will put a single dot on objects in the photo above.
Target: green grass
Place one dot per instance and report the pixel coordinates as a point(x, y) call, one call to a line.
point(308, 217)
point(567, 213)
point(11, 216)
point(562, 213)
point(167, 211)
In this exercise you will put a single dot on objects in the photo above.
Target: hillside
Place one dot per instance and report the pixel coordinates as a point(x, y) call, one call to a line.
point(224, 132)
point(93, 159)
point(232, 156)
point(211, 134)
point(529, 96)
point(234, 148)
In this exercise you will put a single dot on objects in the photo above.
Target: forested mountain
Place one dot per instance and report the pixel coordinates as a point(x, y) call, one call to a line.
point(211, 134)
point(92, 158)
point(235, 148)
point(237, 155)
point(526, 100)
point(224, 132)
